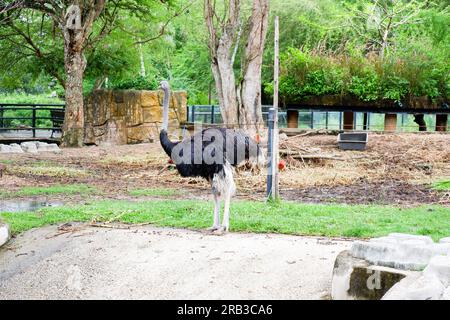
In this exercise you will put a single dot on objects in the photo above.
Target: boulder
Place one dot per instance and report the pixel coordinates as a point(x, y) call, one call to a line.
point(439, 267)
point(15, 148)
point(5, 234)
point(397, 266)
point(46, 147)
point(4, 148)
point(426, 287)
point(446, 294)
point(356, 279)
point(30, 147)
point(400, 251)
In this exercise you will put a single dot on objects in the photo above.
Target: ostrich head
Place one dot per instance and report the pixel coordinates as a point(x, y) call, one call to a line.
point(164, 85)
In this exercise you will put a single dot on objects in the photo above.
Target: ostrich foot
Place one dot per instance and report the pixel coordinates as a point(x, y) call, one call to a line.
point(217, 231)
point(213, 228)
point(221, 231)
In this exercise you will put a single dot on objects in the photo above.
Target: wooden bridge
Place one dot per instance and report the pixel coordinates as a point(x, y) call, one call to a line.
point(27, 122)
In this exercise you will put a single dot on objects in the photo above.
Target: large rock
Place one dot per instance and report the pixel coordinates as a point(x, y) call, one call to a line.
point(356, 279)
point(439, 267)
point(391, 268)
point(12, 148)
point(47, 147)
point(426, 287)
point(5, 234)
point(400, 251)
point(445, 240)
point(4, 148)
point(29, 147)
point(446, 294)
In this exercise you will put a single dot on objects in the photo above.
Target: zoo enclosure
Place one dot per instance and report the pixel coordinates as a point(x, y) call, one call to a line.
point(318, 119)
point(29, 117)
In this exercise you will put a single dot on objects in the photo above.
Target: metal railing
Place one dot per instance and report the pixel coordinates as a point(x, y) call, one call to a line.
point(31, 117)
point(210, 114)
point(310, 119)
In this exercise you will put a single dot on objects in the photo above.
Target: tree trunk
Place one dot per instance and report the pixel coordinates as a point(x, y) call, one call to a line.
point(222, 37)
point(226, 91)
point(250, 113)
point(73, 129)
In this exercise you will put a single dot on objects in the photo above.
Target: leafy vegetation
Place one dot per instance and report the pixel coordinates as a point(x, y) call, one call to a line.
point(286, 217)
point(328, 47)
point(335, 49)
point(138, 83)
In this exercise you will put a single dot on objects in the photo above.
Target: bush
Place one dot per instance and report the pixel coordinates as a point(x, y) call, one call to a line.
point(306, 74)
point(138, 83)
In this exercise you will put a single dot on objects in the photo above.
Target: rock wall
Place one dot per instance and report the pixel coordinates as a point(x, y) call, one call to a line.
point(130, 116)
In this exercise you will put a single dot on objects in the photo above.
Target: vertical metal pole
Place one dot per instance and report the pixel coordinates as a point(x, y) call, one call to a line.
point(326, 120)
point(403, 122)
point(270, 123)
point(340, 120)
point(193, 114)
point(33, 123)
point(312, 120)
point(212, 114)
point(275, 156)
point(365, 120)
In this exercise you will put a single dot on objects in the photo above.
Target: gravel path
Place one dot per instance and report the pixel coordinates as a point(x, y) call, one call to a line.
point(161, 263)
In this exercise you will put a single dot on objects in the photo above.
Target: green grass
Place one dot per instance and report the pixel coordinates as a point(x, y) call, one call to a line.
point(157, 192)
point(442, 185)
point(70, 189)
point(286, 217)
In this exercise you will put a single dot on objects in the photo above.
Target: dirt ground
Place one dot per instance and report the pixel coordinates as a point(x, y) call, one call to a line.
point(395, 169)
point(160, 263)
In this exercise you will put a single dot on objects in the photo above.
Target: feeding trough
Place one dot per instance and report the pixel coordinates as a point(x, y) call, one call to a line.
point(353, 140)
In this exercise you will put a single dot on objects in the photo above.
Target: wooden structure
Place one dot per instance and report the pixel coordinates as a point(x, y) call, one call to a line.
point(350, 105)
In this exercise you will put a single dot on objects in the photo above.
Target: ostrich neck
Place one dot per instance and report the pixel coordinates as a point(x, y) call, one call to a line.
point(165, 124)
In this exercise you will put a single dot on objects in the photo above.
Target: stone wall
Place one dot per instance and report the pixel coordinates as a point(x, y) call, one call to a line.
point(130, 116)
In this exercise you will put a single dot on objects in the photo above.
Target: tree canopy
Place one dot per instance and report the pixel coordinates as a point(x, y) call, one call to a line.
point(372, 49)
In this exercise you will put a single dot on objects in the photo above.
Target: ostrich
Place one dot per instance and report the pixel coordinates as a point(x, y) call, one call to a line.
point(210, 154)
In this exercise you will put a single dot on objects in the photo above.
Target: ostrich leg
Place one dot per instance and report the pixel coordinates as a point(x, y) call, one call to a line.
point(226, 212)
point(216, 224)
point(229, 191)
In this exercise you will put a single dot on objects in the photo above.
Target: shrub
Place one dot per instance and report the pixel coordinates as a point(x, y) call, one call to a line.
point(306, 73)
point(138, 83)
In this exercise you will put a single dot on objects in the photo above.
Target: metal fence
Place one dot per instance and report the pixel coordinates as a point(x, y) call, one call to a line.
point(314, 119)
point(17, 117)
point(210, 114)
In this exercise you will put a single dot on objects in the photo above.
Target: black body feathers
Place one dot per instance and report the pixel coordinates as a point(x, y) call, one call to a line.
point(218, 144)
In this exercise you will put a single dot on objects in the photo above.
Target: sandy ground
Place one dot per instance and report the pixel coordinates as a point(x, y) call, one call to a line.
point(159, 263)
